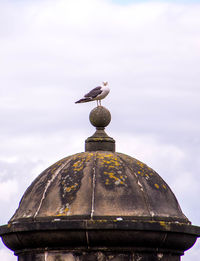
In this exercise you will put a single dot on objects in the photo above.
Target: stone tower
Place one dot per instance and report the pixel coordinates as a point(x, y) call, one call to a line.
point(99, 205)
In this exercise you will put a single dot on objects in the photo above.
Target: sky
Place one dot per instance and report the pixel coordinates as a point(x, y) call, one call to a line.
point(53, 52)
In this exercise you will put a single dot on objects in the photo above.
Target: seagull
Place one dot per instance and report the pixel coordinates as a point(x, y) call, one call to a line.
point(97, 94)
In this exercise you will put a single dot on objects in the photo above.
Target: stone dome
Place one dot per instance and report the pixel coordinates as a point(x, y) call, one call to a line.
point(99, 185)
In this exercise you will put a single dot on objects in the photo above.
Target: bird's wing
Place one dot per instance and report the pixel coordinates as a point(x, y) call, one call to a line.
point(94, 92)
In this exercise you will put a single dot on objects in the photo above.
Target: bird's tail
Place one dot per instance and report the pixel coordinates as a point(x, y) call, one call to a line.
point(83, 100)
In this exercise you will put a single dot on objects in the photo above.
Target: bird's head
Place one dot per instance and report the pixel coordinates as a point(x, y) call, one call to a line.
point(105, 83)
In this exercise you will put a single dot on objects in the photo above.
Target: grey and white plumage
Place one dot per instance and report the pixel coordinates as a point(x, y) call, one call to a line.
point(97, 94)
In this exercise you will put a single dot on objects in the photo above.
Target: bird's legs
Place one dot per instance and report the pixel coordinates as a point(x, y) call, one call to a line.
point(98, 103)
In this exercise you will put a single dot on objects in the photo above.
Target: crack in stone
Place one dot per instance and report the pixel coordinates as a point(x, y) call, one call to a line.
point(48, 185)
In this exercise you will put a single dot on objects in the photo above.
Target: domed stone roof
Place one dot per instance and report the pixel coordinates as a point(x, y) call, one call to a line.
point(99, 184)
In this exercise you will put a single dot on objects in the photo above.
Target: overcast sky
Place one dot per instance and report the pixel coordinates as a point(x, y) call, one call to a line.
point(53, 52)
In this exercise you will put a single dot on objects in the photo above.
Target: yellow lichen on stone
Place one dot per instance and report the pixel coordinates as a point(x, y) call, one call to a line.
point(107, 182)
point(113, 177)
point(68, 189)
point(140, 164)
point(89, 156)
point(164, 224)
point(78, 165)
point(97, 221)
point(65, 211)
point(111, 168)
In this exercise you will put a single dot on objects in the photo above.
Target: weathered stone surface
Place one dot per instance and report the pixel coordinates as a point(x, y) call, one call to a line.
point(100, 234)
point(99, 200)
point(96, 256)
point(100, 117)
point(99, 185)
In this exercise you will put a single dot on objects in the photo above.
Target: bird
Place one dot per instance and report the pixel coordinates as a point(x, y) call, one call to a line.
point(98, 93)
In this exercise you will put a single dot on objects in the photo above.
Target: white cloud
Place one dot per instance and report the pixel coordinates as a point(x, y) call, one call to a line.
point(192, 254)
point(8, 189)
point(64, 38)
point(150, 149)
point(7, 255)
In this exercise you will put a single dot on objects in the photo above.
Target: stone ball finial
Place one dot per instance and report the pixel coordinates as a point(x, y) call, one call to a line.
point(100, 117)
